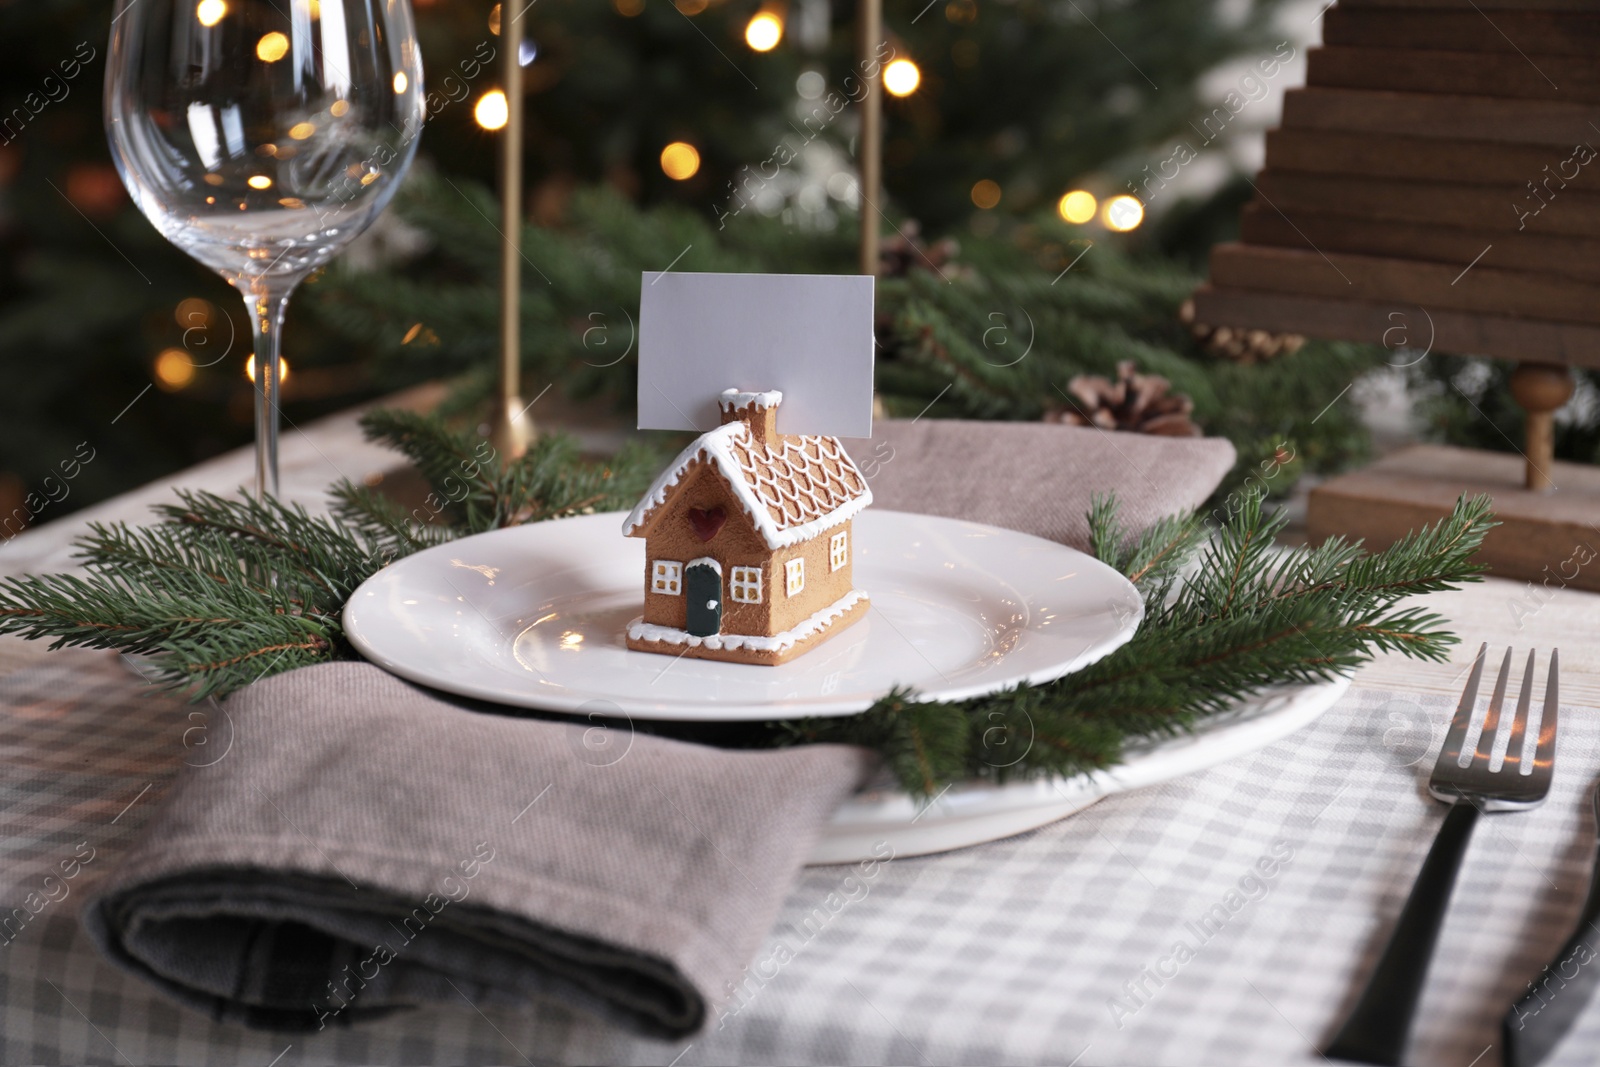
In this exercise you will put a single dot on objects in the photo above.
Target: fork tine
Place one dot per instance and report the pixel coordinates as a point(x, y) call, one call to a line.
point(1456, 738)
point(1491, 721)
point(1544, 758)
point(1519, 725)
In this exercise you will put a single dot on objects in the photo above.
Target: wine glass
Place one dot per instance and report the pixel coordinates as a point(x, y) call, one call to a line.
point(261, 136)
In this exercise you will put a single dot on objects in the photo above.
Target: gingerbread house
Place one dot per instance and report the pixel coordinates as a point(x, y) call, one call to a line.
point(748, 541)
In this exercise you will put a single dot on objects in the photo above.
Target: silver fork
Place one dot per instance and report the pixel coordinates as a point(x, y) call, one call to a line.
point(1377, 1029)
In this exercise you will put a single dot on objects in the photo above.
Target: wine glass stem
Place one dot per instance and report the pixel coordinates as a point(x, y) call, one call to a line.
point(266, 305)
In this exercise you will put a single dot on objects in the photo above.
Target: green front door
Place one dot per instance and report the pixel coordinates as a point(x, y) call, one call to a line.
point(703, 587)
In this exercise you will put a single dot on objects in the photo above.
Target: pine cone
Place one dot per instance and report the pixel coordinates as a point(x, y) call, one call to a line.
point(1239, 345)
point(1136, 402)
point(903, 252)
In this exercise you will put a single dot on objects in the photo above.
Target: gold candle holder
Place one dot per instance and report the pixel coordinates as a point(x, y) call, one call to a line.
point(870, 143)
point(511, 428)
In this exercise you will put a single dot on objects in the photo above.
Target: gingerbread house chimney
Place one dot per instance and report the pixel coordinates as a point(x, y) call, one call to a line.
point(758, 411)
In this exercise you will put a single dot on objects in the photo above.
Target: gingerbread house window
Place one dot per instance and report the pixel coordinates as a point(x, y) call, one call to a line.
point(666, 576)
point(746, 585)
point(794, 577)
point(839, 550)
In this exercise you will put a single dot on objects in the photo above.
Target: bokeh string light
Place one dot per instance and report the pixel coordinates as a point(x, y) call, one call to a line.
point(272, 47)
point(210, 12)
point(1123, 213)
point(492, 111)
point(1078, 206)
point(901, 78)
point(680, 161)
point(763, 32)
point(173, 369)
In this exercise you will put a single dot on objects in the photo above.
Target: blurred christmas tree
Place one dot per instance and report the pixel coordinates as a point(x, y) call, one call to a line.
point(696, 133)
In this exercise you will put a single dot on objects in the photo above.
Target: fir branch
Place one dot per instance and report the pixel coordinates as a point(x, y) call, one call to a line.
point(475, 490)
point(1153, 560)
point(919, 742)
point(1252, 617)
point(383, 520)
point(226, 590)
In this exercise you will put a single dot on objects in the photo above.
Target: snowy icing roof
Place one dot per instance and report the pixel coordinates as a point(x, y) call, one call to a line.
point(733, 399)
point(792, 491)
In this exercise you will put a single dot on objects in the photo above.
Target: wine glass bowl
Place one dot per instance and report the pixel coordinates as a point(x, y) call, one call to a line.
point(261, 136)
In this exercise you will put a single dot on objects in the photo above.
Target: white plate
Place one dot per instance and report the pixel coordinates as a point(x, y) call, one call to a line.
point(533, 616)
point(880, 823)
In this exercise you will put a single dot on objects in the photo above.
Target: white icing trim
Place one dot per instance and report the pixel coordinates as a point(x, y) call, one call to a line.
point(749, 582)
point(640, 630)
point(656, 495)
point(714, 445)
point(734, 399)
point(715, 565)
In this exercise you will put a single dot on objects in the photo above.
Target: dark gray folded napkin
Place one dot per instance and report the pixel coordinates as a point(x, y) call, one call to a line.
point(366, 845)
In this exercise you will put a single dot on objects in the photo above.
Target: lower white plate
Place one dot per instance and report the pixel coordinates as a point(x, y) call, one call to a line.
point(881, 823)
point(533, 616)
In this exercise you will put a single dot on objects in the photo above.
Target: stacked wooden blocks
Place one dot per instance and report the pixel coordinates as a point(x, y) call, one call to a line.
point(1435, 187)
point(1438, 168)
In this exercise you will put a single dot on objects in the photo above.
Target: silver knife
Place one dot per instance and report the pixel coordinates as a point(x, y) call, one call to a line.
point(1555, 999)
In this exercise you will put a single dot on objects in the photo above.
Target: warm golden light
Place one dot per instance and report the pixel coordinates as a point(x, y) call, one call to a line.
point(400, 82)
point(421, 334)
point(1123, 213)
point(193, 311)
point(492, 111)
point(301, 130)
point(272, 47)
point(174, 369)
point(763, 32)
point(494, 20)
point(986, 194)
point(339, 108)
point(1078, 206)
point(210, 12)
point(283, 369)
point(680, 161)
point(901, 77)
point(259, 181)
point(628, 8)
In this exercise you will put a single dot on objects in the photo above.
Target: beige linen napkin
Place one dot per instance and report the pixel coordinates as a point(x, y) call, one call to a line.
point(1036, 477)
point(367, 845)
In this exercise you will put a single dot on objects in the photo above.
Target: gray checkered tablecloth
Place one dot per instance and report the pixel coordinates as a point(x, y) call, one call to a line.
point(1053, 947)
point(1277, 874)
